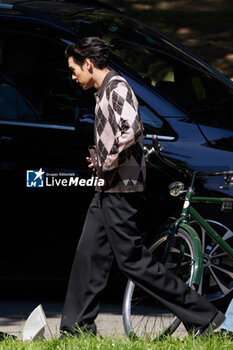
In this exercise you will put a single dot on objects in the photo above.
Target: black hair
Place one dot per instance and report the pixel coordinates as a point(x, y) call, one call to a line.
point(94, 48)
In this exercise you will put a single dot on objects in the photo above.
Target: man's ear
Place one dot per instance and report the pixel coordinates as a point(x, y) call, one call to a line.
point(89, 64)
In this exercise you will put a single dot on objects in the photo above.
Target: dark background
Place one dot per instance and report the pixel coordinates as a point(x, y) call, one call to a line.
point(205, 27)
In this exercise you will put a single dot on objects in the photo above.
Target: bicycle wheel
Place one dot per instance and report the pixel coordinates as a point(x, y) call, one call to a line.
point(142, 315)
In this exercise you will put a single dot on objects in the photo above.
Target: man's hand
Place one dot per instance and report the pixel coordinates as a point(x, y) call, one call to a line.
point(91, 165)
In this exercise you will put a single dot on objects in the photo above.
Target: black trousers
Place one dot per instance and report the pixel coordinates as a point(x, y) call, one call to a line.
point(112, 229)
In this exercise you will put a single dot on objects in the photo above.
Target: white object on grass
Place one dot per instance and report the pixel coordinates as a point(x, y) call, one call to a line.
point(35, 325)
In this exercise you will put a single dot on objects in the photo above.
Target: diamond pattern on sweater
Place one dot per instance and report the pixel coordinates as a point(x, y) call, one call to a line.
point(136, 126)
point(124, 125)
point(101, 122)
point(116, 180)
point(114, 148)
point(129, 97)
point(112, 120)
point(119, 137)
point(140, 177)
point(102, 151)
point(137, 153)
point(123, 155)
point(118, 102)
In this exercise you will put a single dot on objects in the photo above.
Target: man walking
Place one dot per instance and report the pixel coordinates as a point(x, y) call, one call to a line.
point(112, 225)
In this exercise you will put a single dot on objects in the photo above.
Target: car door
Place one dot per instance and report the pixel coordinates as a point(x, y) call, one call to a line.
point(40, 131)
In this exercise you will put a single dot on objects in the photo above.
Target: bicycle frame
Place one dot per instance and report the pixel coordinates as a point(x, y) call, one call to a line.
point(183, 222)
point(188, 210)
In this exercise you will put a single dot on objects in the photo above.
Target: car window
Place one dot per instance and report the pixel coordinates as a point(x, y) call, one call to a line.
point(152, 123)
point(163, 66)
point(39, 88)
point(35, 82)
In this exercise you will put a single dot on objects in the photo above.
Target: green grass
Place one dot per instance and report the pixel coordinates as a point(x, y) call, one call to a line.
point(214, 342)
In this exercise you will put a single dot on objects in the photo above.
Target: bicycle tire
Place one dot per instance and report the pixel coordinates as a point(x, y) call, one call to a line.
point(140, 316)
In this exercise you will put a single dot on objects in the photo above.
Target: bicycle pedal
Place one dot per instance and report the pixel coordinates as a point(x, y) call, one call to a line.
point(227, 205)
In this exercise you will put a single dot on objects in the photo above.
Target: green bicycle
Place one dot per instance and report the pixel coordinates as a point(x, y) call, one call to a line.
point(197, 250)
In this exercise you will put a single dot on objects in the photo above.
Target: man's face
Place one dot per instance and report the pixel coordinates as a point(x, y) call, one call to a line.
point(82, 76)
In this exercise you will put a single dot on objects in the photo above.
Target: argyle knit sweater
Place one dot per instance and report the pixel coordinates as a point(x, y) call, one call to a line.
point(118, 133)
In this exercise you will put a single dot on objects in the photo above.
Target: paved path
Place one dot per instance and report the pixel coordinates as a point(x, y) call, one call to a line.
point(13, 315)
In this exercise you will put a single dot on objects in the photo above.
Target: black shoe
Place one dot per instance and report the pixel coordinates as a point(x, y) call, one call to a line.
point(6, 336)
point(224, 332)
point(215, 323)
point(89, 329)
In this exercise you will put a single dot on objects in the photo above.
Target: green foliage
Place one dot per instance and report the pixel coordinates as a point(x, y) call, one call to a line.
point(105, 343)
point(204, 27)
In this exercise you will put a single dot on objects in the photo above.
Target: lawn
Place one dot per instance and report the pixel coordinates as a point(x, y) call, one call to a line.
point(214, 342)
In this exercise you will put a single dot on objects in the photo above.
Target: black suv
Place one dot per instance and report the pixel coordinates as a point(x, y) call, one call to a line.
point(46, 126)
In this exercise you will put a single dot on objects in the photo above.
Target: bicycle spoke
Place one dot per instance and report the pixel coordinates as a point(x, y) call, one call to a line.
point(137, 300)
point(177, 251)
point(146, 325)
point(140, 321)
